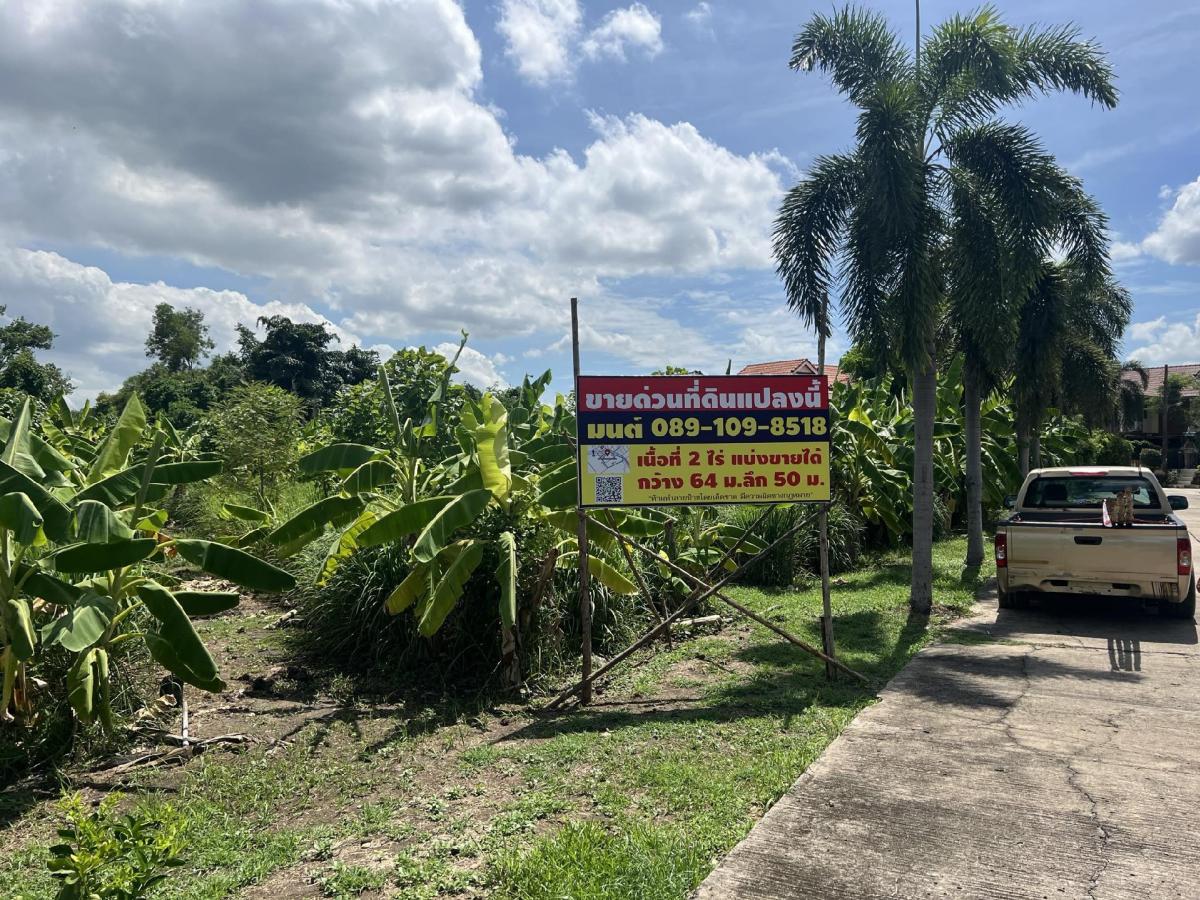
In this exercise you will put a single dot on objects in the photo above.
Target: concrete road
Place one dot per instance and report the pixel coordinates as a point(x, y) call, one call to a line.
point(1053, 753)
point(1191, 515)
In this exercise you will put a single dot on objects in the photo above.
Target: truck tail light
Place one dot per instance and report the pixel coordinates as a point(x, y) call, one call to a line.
point(1185, 556)
point(1002, 552)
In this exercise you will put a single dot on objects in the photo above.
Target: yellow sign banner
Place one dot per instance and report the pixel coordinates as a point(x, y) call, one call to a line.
point(694, 440)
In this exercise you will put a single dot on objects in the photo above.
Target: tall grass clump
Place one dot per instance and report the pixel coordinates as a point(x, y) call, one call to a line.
point(799, 555)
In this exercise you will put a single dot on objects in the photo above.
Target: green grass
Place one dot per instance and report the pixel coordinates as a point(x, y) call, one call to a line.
point(636, 798)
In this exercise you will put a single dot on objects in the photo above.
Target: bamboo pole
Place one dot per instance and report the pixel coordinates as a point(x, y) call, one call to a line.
point(585, 598)
point(823, 512)
point(715, 591)
point(708, 591)
point(641, 583)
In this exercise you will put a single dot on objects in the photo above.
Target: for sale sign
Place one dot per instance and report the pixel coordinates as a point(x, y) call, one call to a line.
point(661, 440)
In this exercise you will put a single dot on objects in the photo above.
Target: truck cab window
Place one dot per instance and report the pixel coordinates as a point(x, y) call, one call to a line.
point(1079, 492)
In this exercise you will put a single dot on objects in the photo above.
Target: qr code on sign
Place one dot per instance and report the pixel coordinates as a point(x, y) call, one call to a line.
point(608, 489)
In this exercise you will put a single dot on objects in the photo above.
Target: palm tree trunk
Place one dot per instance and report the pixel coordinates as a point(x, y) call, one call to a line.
point(1035, 447)
point(1023, 444)
point(1165, 407)
point(924, 407)
point(971, 401)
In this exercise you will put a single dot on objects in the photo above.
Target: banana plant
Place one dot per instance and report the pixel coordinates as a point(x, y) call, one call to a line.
point(78, 533)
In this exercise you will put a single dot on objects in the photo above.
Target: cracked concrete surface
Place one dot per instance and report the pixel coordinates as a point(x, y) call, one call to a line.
point(1058, 759)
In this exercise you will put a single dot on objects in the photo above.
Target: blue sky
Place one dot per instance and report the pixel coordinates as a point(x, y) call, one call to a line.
point(402, 169)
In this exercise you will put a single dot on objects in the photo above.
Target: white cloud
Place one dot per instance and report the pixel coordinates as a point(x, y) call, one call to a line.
point(700, 16)
point(1146, 331)
point(1123, 251)
point(1159, 341)
point(474, 367)
point(1177, 237)
point(539, 35)
point(101, 325)
point(633, 26)
point(348, 168)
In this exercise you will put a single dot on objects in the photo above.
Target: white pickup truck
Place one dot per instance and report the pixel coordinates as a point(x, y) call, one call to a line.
point(1056, 540)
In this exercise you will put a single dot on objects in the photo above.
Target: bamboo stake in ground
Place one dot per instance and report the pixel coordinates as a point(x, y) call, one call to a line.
point(585, 598)
point(708, 591)
point(791, 638)
point(641, 583)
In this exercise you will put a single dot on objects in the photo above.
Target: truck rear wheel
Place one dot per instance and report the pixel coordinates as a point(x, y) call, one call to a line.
point(1186, 609)
point(1012, 600)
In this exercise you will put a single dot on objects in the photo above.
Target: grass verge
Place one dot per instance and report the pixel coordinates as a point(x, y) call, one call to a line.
point(636, 796)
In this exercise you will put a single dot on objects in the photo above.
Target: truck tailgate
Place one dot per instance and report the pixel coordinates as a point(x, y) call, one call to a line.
point(1093, 552)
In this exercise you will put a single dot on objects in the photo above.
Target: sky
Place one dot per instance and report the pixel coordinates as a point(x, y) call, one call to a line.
point(404, 169)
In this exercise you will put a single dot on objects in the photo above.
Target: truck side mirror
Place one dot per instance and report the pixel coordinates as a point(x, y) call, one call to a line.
point(1010, 501)
point(1177, 501)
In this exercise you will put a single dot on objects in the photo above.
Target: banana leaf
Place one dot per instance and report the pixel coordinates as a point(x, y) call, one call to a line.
point(368, 476)
point(601, 571)
point(460, 560)
point(245, 513)
point(103, 557)
point(95, 523)
point(563, 495)
point(176, 645)
point(234, 565)
point(414, 587)
point(81, 625)
point(409, 519)
point(19, 516)
point(506, 577)
point(56, 517)
point(309, 524)
point(48, 459)
point(18, 625)
point(458, 513)
point(207, 603)
point(18, 451)
point(341, 458)
point(81, 684)
point(114, 450)
point(186, 472)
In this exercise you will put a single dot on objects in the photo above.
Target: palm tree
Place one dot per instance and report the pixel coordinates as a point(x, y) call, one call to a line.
point(995, 249)
point(1069, 333)
point(926, 130)
point(1130, 408)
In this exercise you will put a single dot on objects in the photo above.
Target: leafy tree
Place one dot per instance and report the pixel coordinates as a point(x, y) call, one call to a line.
point(257, 431)
point(296, 357)
point(415, 375)
point(19, 367)
point(883, 212)
point(179, 338)
point(182, 396)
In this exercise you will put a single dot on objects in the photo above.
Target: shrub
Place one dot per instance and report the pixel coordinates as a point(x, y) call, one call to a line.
point(109, 857)
point(1108, 449)
point(1151, 458)
point(257, 433)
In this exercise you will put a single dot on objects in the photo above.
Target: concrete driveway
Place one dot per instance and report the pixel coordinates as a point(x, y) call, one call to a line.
point(1053, 752)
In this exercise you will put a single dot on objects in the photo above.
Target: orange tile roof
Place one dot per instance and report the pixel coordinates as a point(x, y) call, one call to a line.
point(1155, 378)
point(792, 367)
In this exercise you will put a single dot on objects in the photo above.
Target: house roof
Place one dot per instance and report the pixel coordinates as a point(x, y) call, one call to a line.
point(793, 367)
point(1155, 378)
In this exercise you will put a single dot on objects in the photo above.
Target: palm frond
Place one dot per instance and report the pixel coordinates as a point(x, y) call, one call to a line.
point(855, 47)
point(807, 234)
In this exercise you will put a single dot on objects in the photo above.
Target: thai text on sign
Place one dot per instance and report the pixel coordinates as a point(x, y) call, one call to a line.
point(671, 439)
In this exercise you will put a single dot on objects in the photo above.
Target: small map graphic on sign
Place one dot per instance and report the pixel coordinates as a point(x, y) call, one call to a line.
point(608, 459)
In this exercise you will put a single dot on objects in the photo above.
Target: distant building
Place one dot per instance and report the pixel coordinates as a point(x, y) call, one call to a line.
point(1183, 443)
point(794, 367)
